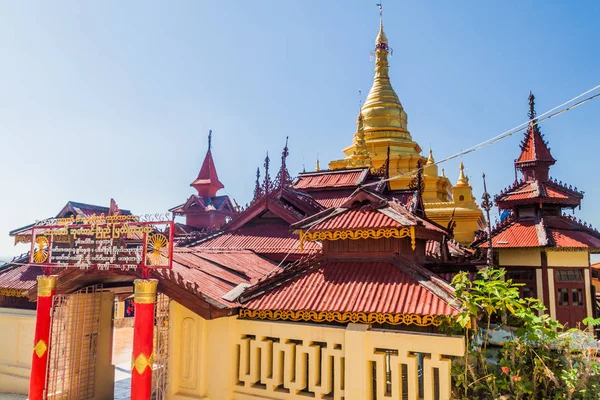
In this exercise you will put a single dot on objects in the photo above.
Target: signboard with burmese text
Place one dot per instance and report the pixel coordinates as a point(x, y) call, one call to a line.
point(125, 242)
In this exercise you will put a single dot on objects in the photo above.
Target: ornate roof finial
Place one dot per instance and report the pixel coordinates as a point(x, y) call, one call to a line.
point(258, 192)
point(283, 178)
point(318, 166)
point(430, 159)
point(532, 113)
point(267, 182)
point(209, 139)
point(381, 41)
point(443, 173)
point(487, 205)
point(417, 182)
point(463, 180)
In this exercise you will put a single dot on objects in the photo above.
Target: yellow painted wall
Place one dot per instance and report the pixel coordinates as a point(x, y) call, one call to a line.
point(232, 359)
point(520, 257)
point(568, 258)
point(16, 347)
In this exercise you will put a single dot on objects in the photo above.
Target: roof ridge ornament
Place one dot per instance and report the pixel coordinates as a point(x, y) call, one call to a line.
point(283, 178)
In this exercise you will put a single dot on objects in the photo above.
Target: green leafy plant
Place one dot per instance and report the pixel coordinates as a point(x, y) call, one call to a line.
point(537, 359)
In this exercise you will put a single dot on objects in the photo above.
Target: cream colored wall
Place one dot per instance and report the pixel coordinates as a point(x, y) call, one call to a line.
point(16, 348)
point(521, 257)
point(568, 258)
point(232, 359)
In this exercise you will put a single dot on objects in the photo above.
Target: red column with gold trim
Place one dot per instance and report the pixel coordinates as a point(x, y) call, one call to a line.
point(39, 362)
point(144, 297)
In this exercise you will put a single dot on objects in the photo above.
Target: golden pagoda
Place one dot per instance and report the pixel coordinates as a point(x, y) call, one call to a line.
point(382, 123)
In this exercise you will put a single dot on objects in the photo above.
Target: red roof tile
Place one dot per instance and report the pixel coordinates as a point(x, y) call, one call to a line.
point(358, 218)
point(538, 192)
point(19, 276)
point(331, 179)
point(534, 148)
point(207, 183)
point(263, 239)
point(516, 234)
point(367, 286)
point(552, 231)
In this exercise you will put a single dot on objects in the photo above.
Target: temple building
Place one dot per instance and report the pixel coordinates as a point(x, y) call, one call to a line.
point(206, 210)
point(542, 247)
point(382, 136)
point(329, 285)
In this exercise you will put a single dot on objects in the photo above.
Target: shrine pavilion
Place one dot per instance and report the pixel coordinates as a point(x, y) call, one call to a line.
point(538, 243)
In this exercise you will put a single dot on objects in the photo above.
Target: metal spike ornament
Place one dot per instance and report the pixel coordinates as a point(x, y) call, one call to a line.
point(257, 188)
point(283, 178)
point(487, 205)
point(267, 182)
point(209, 139)
point(417, 183)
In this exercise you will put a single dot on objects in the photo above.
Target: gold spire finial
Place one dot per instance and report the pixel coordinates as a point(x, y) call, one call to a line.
point(463, 180)
point(443, 173)
point(382, 111)
point(318, 166)
point(430, 159)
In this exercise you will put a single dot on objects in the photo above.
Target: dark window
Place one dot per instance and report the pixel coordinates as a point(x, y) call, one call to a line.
point(568, 275)
point(461, 198)
point(525, 277)
point(577, 297)
point(563, 297)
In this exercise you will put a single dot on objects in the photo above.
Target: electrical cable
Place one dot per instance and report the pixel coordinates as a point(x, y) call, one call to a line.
point(519, 128)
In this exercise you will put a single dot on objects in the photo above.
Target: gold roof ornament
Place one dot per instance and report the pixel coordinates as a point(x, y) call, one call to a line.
point(383, 113)
point(381, 37)
point(318, 166)
point(430, 159)
point(463, 180)
point(360, 157)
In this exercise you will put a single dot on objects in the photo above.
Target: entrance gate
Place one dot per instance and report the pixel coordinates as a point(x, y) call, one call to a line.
point(80, 346)
point(75, 320)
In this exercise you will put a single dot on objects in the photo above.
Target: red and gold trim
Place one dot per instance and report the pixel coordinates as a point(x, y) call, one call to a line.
point(37, 380)
point(344, 317)
point(144, 297)
point(355, 234)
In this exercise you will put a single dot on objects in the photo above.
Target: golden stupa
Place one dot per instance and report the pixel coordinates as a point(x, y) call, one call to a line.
point(382, 123)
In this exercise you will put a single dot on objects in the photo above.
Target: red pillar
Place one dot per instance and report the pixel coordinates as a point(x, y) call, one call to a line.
point(144, 297)
point(39, 362)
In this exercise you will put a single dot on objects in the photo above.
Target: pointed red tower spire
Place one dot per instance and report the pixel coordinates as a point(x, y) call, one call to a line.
point(207, 183)
point(535, 158)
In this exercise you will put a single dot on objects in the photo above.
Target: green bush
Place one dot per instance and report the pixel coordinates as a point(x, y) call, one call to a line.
point(538, 359)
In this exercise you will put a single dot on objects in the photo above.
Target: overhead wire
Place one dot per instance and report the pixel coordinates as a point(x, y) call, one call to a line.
point(508, 133)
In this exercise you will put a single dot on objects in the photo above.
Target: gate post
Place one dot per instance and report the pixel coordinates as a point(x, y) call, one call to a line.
point(144, 297)
point(37, 381)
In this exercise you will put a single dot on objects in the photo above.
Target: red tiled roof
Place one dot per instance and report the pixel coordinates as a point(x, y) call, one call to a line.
point(522, 233)
point(550, 231)
point(366, 286)
point(207, 183)
point(534, 148)
point(331, 178)
point(263, 239)
point(216, 272)
point(538, 192)
point(358, 218)
point(21, 277)
point(331, 198)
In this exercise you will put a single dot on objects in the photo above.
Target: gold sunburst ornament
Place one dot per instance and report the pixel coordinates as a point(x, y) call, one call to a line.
point(155, 245)
point(41, 249)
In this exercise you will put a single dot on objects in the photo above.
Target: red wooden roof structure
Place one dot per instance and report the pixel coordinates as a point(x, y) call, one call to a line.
point(536, 203)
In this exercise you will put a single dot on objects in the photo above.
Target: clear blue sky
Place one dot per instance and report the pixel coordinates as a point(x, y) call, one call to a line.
point(115, 99)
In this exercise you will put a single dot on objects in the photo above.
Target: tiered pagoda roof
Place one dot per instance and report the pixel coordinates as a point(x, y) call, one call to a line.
point(536, 203)
point(549, 231)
